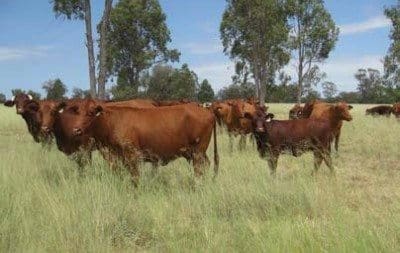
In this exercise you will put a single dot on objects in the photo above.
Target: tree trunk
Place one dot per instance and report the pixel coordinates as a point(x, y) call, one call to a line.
point(300, 82)
point(103, 49)
point(89, 45)
point(263, 85)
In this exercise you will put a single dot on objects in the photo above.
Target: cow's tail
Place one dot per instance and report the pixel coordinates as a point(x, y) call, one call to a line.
point(216, 157)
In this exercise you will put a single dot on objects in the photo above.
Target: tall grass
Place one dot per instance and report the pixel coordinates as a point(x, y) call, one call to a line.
point(47, 205)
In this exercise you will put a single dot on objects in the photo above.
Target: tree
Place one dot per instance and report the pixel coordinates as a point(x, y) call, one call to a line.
point(349, 97)
point(254, 34)
point(233, 91)
point(137, 40)
point(15, 92)
point(206, 93)
point(313, 36)
point(35, 95)
point(2, 98)
point(158, 83)
point(329, 90)
point(80, 93)
point(55, 89)
point(370, 86)
point(104, 28)
point(392, 59)
point(80, 9)
point(185, 83)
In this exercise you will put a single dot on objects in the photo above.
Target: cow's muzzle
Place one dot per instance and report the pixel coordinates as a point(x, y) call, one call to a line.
point(45, 129)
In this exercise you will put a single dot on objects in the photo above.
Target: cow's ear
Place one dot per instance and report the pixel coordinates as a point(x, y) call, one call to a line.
point(33, 107)
point(269, 117)
point(350, 107)
point(9, 103)
point(98, 110)
point(60, 107)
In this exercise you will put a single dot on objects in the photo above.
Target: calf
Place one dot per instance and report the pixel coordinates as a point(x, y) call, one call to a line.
point(385, 110)
point(295, 136)
point(149, 134)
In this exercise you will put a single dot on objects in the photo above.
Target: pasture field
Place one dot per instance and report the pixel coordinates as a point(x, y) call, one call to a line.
point(47, 205)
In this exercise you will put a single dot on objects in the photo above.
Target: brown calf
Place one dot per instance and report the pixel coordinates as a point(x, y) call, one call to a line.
point(379, 110)
point(295, 136)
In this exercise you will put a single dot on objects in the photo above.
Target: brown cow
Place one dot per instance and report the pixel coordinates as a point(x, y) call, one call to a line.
point(81, 146)
point(296, 112)
point(334, 113)
point(231, 113)
point(29, 110)
point(295, 136)
point(172, 102)
point(396, 110)
point(151, 134)
point(379, 110)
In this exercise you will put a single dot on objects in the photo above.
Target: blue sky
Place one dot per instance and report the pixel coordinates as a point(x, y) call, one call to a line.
point(35, 46)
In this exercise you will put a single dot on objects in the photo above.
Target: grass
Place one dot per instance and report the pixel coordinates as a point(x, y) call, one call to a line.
point(47, 205)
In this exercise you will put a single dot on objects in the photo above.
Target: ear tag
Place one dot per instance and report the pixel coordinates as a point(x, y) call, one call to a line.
point(61, 110)
point(30, 97)
point(98, 114)
point(268, 120)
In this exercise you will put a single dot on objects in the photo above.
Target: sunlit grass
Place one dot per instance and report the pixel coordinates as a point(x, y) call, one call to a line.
point(47, 205)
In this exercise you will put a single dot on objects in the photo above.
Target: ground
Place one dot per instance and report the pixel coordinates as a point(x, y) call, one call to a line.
point(46, 204)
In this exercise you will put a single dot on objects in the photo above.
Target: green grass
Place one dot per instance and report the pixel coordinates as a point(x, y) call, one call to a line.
point(47, 205)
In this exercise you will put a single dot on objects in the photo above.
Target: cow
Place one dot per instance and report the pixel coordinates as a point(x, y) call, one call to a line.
point(172, 102)
point(334, 113)
point(296, 112)
point(396, 110)
point(28, 109)
point(231, 113)
point(297, 136)
point(156, 135)
point(80, 147)
point(385, 110)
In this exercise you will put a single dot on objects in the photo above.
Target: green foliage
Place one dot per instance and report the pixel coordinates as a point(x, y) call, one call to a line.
point(167, 83)
point(137, 39)
point(329, 90)
point(370, 86)
point(233, 91)
point(392, 59)
point(80, 93)
point(15, 92)
point(206, 92)
point(71, 9)
point(55, 89)
point(349, 97)
point(2, 98)
point(254, 34)
point(313, 36)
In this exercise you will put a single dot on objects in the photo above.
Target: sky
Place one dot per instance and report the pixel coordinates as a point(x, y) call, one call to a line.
point(35, 46)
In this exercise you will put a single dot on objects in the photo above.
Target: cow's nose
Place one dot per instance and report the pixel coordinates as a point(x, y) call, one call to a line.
point(45, 129)
point(20, 110)
point(77, 131)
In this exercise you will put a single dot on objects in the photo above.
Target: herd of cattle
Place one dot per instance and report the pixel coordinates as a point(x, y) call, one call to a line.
point(160, 131)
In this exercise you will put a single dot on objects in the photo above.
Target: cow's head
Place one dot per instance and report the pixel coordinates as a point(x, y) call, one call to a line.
point(48, 111)
point(76, 116)
point(259, 119)
point(296, 112)
point(19, 101)
point(342, 110)
point(396, 110)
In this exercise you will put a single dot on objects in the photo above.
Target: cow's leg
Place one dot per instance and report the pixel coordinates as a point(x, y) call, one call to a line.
point(273, 162)
point(328, 161)
point(199, 162)
point(337, 137)
point(230, 142)
point(242, 142)
point(317, 161)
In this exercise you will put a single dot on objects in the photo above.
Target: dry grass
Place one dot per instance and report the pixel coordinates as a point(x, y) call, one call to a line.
point(46, 205)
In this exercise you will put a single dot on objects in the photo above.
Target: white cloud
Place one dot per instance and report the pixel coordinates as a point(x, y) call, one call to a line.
point(203, 48)
point(17, 53)
point(218, 74)
point(364, 26)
